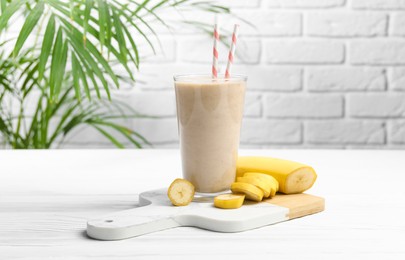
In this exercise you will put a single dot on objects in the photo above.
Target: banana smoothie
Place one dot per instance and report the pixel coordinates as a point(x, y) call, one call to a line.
point(209, 114)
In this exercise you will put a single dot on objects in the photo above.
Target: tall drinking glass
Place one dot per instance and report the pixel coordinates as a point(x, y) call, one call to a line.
point(209, 116)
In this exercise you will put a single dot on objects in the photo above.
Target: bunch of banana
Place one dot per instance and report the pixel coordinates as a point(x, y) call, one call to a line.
point(256, 178)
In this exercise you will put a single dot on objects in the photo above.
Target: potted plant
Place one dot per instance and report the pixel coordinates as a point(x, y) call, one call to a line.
point(58, 72)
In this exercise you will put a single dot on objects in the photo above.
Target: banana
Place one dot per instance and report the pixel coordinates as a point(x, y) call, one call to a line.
point(261, 183)
point(270, 179)
point(274, 189)
point(251, 191)
point(181, 192)
point(229, 201)
point(293, 177)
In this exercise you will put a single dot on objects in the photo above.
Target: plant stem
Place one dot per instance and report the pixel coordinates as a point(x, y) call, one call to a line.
point(20, 116)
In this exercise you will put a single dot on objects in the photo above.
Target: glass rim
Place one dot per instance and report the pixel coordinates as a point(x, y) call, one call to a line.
point(208, 78)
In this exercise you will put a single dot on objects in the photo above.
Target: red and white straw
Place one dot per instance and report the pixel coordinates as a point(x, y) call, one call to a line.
point(215, 52)
point(232, 51)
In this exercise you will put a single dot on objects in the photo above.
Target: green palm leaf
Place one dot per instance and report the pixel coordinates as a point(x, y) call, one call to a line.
point(76, 37)
point(87, 10)
point(121, 129)
point(120, 36)
point(76, 76)
point(66, 65)
point(29, 24)
point(3, 5)
point(109, 137)
point(46, 46)
point(132, 23)
point(95, 33)
point(102, 21)
point(9, 11)
point(56, 64)
point(83, 77)
point(88, 61)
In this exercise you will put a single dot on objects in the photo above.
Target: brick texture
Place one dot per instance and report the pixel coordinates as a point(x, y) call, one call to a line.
point(397, 78)
point(344, 24)
point(157, 131)
point(265, 78)
point(153, 78)
point(166, 54)
point(304, 52)
point(305, 3)
point(248, 51)
point(162, 104)
point(244, 3)
point(303, 106)
point(276, 24)
point(396, 132)
point(376, 105)
point(378, 4)
point(345, 79)
point(253, 105)
point(325, 74)
point(397, 24)
point(259, 131)
point(346, 132)
point(379, 52)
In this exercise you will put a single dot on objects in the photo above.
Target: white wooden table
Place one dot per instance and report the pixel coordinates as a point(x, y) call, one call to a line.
point(47, 196)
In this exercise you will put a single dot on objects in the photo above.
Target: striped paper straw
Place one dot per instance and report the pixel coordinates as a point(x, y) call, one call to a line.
point(232, 51)
point(215, 52)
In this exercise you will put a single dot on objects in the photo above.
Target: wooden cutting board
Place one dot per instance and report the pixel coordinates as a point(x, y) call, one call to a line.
point(157, 213)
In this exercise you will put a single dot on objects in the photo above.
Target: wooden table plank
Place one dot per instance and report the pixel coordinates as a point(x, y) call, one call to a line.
point(45, 202)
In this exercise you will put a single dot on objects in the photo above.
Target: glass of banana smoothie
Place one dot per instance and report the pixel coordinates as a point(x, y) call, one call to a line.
point(209, 116)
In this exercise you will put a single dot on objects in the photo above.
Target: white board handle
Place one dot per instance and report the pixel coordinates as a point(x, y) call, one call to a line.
point(131, 223)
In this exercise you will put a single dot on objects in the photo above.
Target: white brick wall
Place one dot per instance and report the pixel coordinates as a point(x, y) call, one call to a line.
point(396, 132)
point(322, 74)
point(346, 24)
point(383, 105)
point(303, 106)
point(304, 3)
point(378, 4)
point(397, 78)
point(304, 52)
point(397, 24)
point(330, 79)
point(377, 52)
point(344, 132)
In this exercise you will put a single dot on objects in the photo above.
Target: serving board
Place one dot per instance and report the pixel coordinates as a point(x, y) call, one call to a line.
point(155, 212)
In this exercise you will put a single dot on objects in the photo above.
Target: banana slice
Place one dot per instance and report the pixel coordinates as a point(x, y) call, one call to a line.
point(181, 192)
point(273, 182)
point(251, 191)
point(229, 201)
point(261, 183)
point(262, 175)
point(299, 181)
